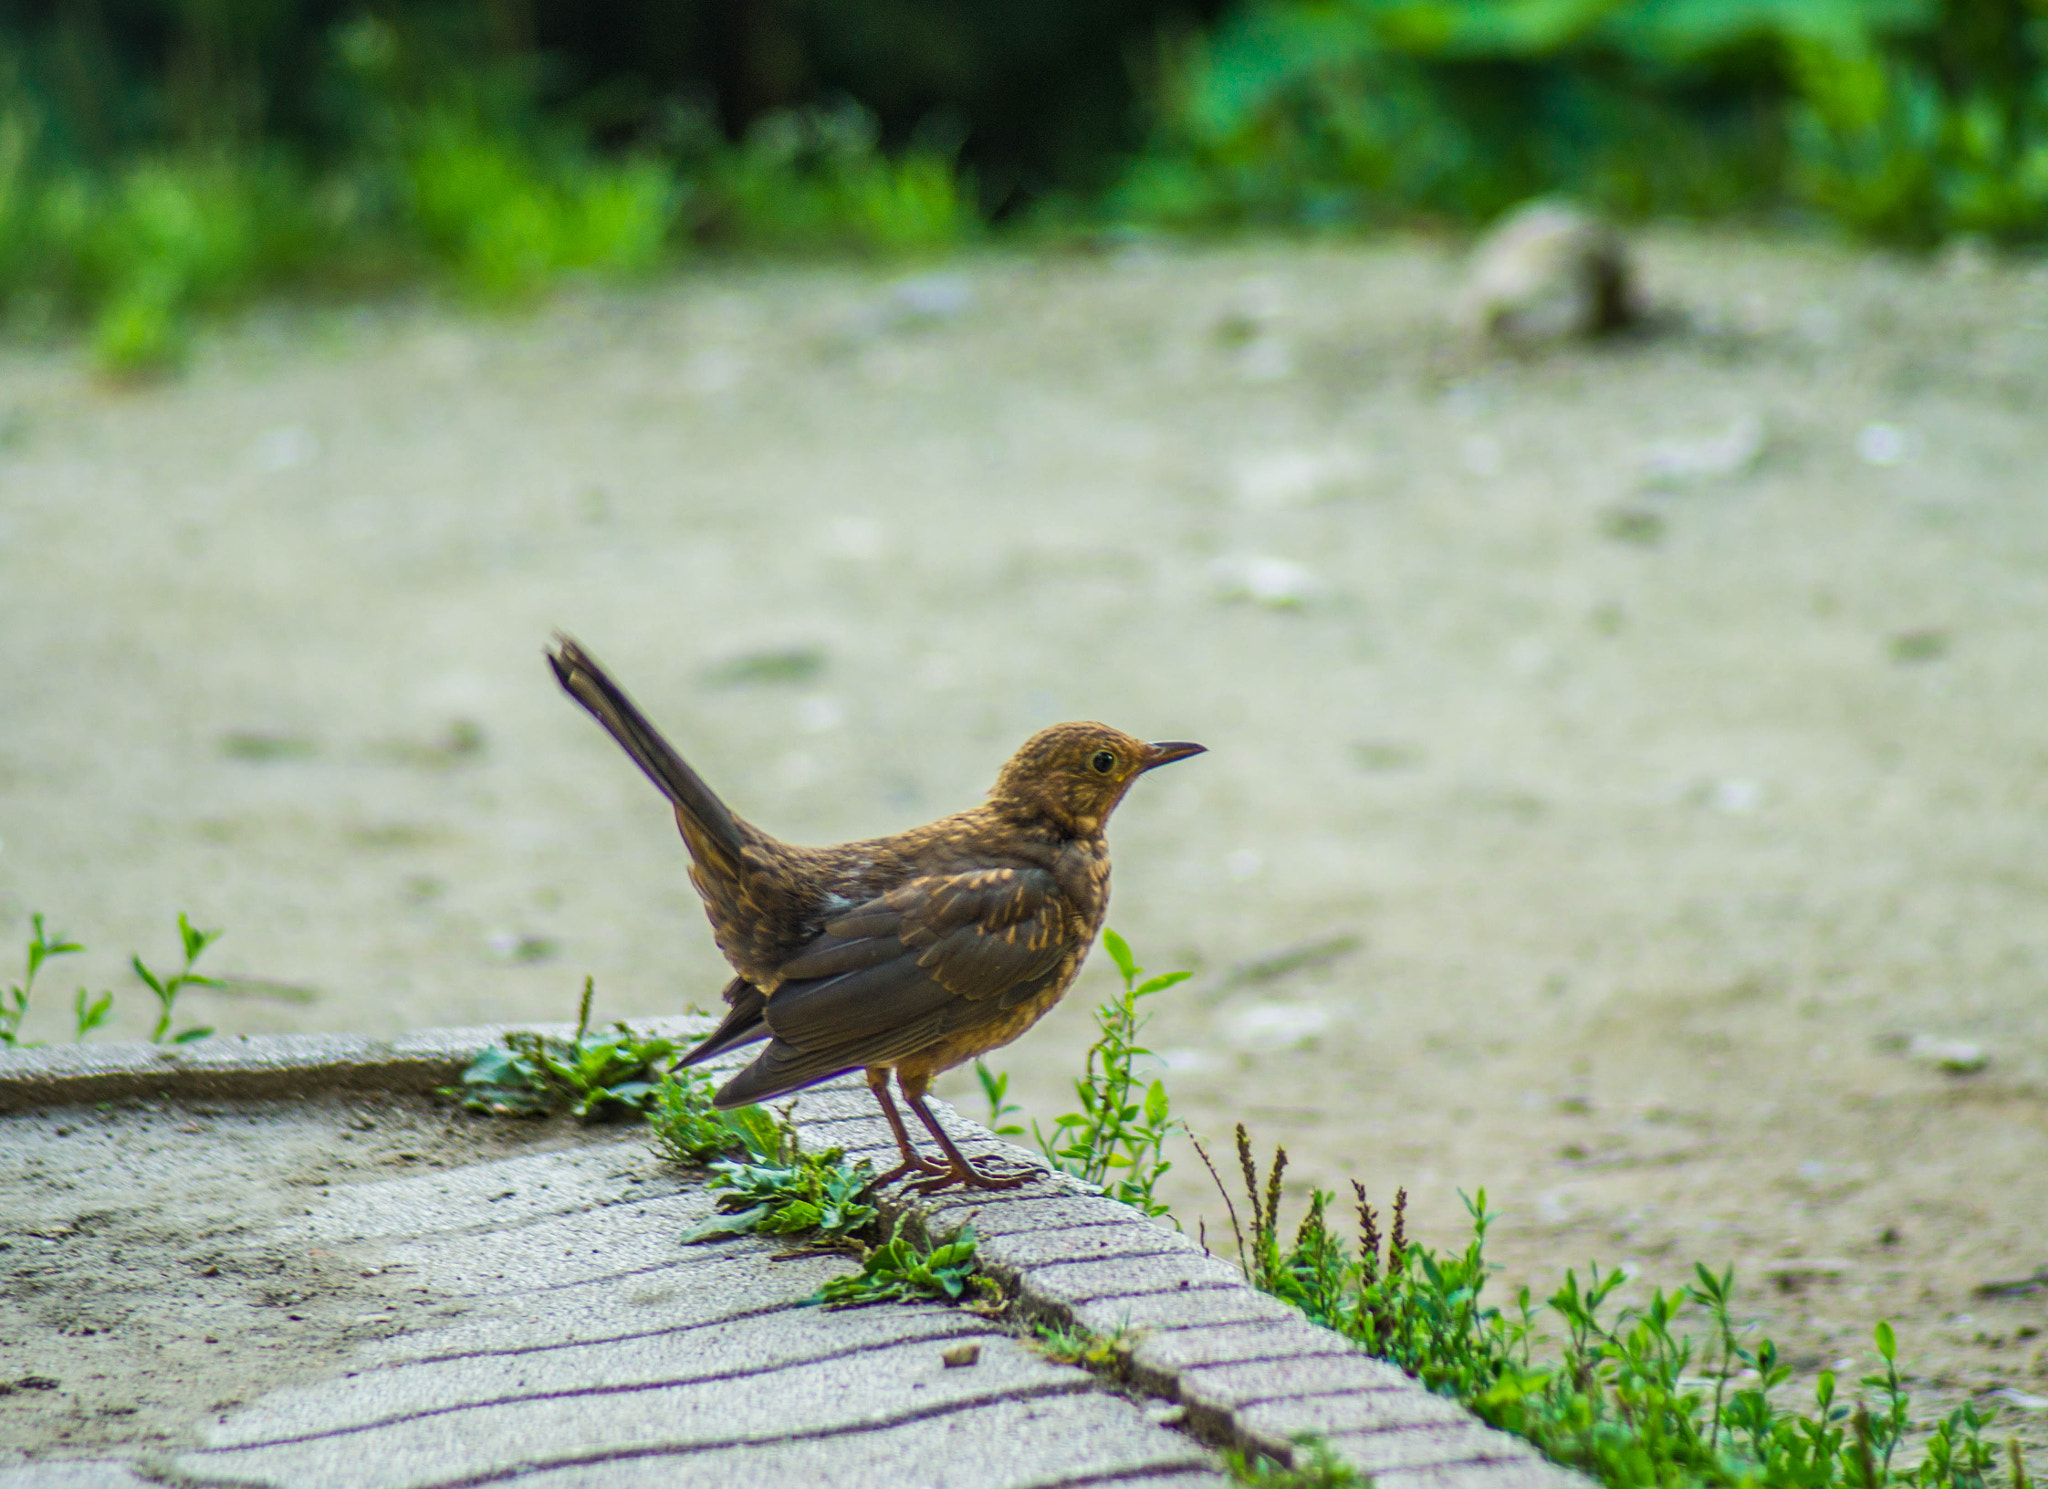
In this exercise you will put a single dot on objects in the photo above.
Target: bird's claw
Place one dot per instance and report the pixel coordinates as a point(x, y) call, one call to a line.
point(908, 1166)
point(970, 1177)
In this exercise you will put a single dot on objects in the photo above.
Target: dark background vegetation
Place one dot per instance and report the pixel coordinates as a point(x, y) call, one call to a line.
point(161, 156)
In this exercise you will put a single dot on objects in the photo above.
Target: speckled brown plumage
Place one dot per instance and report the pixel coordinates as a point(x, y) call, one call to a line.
point(912, 953)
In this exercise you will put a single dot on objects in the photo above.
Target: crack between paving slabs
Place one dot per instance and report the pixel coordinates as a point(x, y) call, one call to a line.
point(673, 1450)
point(510, 1351)
point(623, 1389)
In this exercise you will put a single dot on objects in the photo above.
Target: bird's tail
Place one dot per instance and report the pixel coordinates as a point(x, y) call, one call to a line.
point(697, 805)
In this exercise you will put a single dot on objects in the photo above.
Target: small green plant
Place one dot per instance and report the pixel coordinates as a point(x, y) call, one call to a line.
point(995, 1086)
point(1123, 1123)
point(901, 1269)
point(89, 1012)
point(777, 1189)
point(14, 1003)
point(684, 1125)
point(1074, 1345)
point(195, 942)
point(1323, 1469)
point(596, 1078)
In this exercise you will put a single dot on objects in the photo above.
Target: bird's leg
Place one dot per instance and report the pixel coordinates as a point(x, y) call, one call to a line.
point(878, 1082)
point(962, 1172)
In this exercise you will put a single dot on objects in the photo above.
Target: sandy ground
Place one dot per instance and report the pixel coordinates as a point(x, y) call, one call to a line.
point(1620, 758)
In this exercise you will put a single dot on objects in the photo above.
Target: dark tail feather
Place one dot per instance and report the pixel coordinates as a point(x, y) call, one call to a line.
point(776, 1071)
point(743, 1024)
point(587, 683)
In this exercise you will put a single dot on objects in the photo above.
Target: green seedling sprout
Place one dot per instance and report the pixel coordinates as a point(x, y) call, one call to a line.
point(195, 942)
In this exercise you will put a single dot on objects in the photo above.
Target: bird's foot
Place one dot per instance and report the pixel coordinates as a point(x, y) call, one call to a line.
point(907, 1166)
point(967, 1176)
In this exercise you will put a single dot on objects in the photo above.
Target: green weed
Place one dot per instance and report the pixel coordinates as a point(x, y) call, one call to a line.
point(194, 942)
point(88, 1011)
point(777, 1189)
point(595, 1078)
point(1103, 1353)
point(14, 1002)
point(899, 1269)
point(1322, 1470)
point(685, 1127)
point(1619, 1394)
point(1124, 1122)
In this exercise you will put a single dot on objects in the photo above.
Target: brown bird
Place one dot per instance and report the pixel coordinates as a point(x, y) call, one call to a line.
point(912, 953)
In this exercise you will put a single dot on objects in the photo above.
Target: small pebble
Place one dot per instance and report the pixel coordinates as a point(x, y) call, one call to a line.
point(1734, 451)
point(1950, 1056)
point(960, 1355)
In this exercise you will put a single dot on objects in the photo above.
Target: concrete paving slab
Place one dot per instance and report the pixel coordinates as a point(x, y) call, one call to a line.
point(617, 1168)
point(1005, 1257)
point(1180, 1309)
point(1423, 1447)
point(1076, 1439)
point(92, 1474)
point(557, 1251)
point(742, 1280)
point(727, 1351)
point(1214, 1394)
point(1270, 1426)
point(1163, 1357)
point(1531, 1473)
point(879, 1388)
point(1052, 1286)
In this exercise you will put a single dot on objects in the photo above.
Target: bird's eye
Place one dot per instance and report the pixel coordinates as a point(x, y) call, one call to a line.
point(1103, 761)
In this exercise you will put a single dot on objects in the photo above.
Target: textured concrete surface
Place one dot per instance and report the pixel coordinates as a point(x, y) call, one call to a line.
point(544, 1326)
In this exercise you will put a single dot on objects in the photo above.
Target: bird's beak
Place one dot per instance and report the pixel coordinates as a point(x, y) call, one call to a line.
point(1171, 750)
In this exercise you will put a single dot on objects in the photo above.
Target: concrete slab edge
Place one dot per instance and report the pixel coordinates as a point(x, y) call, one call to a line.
point(1248, 1371)
point(261, 1066)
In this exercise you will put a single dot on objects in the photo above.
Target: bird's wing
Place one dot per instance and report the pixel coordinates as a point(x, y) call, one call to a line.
point(933, 956)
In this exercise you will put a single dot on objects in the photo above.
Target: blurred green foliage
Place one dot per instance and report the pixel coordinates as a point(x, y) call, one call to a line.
point(163, 158)
point(1907, 120)
point(437, 161)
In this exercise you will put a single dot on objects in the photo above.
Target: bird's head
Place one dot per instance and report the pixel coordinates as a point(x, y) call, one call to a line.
point(1075, 774)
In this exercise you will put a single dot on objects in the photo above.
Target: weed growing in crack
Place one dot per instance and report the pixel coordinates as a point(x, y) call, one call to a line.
point(777, 1189)
point(900, 1269)
point(594, 1078)
point(1316, 1466)
point(1074, 1345)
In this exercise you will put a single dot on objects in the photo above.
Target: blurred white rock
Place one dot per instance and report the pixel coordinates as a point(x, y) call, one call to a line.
point(1883, 444)
point(1547, 271)
point(819, 714)
point(1292, 478)
point(283, 449)
point(1277, 583)
point(1276, 1025)
point(1734, 451)
point(1736, 797)
point(1950, 1056)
